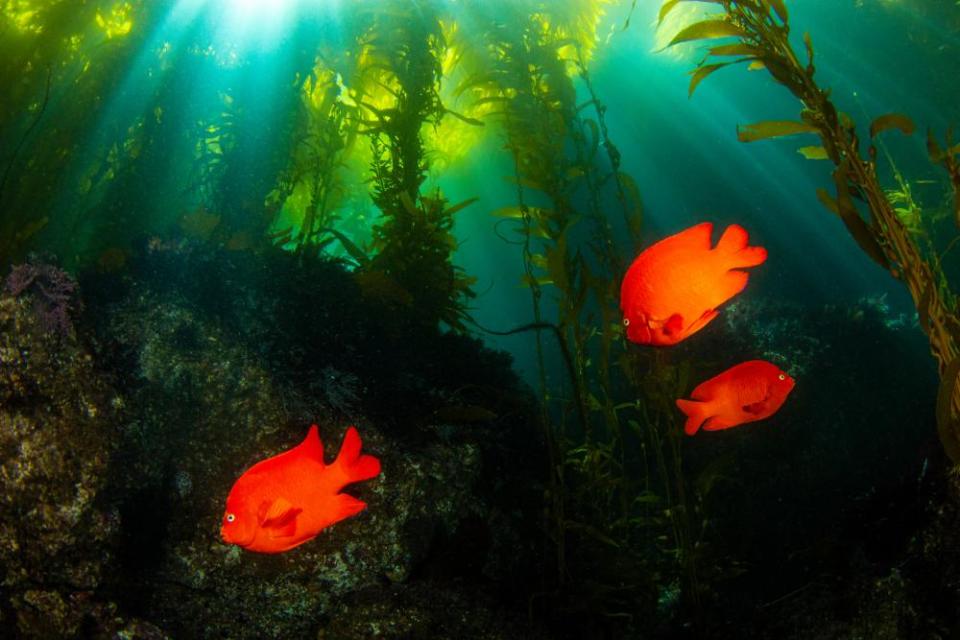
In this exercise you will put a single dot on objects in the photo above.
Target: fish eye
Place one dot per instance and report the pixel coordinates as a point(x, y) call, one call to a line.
point(783, 376)
point(626, 322)
point(231, 517)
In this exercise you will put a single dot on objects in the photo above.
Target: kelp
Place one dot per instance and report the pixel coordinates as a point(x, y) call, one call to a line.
point(761, 30)
point(602, 513)
point(412, 245)
point(314, 186)
point(52, 52)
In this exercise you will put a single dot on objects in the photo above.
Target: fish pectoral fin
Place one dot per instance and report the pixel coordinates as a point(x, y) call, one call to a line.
point(279, 514)
point(755, 408)
point(673, 325)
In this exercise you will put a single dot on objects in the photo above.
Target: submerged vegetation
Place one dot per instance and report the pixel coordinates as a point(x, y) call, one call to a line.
point(302, 261)
point(885, 231)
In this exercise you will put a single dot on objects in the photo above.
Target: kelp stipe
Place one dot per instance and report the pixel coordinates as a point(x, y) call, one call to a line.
point(760, 29)
point(616, 473)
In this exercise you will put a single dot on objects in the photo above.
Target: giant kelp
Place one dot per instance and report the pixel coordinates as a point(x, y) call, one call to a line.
point(617, 495)
point(760, 30)
point(52, 53)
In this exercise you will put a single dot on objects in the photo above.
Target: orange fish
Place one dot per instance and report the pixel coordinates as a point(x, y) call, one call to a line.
point(747, 392)
point(286, 500)
point(673, 288)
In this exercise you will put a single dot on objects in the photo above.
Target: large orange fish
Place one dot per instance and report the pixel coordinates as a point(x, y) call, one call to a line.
point(286, 500)
point(673, 288)
point(747, 392)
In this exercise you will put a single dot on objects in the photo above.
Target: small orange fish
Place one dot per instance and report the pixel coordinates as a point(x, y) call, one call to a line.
point(747, 392)
point(673, 288)
point(286, 500)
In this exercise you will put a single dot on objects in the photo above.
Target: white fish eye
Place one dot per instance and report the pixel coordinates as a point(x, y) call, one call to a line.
point(231, 517)
point(783, 376)
point(626, 322)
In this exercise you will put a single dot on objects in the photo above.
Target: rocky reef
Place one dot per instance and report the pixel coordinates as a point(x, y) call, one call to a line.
point(121, 437)
point(120, 447)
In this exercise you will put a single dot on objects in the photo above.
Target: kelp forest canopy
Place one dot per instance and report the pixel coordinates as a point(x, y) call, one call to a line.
point(333, 135)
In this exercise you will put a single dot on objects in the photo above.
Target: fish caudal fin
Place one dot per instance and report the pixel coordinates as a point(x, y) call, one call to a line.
point(696, 413)
point(733, 243)
point(350, 466)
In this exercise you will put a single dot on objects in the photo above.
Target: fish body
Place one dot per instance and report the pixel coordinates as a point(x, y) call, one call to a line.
point(747, 392)
point(284, 501)
point(673, 288)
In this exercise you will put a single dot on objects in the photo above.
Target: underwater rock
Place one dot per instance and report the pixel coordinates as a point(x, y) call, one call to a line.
point(52, 290)
point(57, 425)
point(209, 395)
point(423, 611)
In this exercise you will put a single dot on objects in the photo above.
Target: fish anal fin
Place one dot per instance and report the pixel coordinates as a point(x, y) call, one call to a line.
point(345, 506)
point(734, 282)
point(716, 424)
point(696, 413)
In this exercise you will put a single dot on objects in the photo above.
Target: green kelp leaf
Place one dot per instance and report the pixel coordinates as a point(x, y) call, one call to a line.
point(508, 212)
point(827, 201)
point(702, 72)
point(647, 497)
point(591, 532)
point(463, 205)
point(733, 49)
point(757, 65)
point(892, 121)
point(669, 5)
point(813, 152)
point(780, 8)
point(349, 246)
point(855, 224)
point(526, 182)
point(808, 43)
point(665, 9)
point(948, 427)
point(463, 118)
point(933, 148)
point(408, 203)
point(538, 260)
point(707, 30)
point(530, 281)
point(772, 129)
point(634, 204)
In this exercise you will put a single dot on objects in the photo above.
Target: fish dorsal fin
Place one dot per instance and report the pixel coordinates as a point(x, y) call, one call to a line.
point(279, 514)
point(312, 446)
point(697, 237)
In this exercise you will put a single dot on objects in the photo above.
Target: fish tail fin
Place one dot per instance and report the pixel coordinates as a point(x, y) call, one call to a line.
point(350, 466)
point(696, 413)
point(733, 243)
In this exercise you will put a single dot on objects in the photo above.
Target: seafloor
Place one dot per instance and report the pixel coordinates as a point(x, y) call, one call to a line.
point(130, 401)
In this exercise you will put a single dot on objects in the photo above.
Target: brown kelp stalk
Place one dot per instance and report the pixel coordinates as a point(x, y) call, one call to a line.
point(761, 29)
